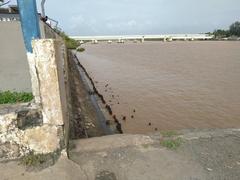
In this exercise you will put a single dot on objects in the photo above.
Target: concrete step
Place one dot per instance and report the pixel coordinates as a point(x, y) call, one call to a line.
point(109, 142)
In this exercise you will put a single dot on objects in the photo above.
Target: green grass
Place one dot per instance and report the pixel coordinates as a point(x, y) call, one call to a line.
point(172, 144)
point(8, 97)
point(34, 160)
point(80, 49)
point(39, 161)
point(69, 42)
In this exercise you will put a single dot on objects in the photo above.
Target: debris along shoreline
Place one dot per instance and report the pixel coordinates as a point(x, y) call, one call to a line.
point(106, 124)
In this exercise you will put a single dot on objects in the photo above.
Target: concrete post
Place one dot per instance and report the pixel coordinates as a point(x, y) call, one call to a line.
point(30, 28)
point(49, 56)
point(29, 22)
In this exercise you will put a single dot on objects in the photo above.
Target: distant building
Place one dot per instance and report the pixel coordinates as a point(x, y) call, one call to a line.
point(12, 9)
point(9, 14)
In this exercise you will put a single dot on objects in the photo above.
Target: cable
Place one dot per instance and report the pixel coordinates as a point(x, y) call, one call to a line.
point(4, 3)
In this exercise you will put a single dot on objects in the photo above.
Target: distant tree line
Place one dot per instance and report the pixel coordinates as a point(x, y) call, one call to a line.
point(234, 30)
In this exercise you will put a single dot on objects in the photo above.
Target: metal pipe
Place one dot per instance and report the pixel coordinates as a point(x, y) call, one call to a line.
point(56, 22)
point(43, 8)
point(44, 15)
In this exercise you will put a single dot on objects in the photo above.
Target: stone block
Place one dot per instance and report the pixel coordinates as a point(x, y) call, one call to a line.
point(43, 139)
point(8, 122)
point(9, 150)
point(28, 118)
point(22, 131)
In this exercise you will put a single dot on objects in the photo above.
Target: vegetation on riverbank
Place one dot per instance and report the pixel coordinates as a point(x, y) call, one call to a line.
point(171, 140)
point(8, 97)
point(169, 133)
point(70, 43)
point(172, 144)
point(81, 49)
point(233, 31)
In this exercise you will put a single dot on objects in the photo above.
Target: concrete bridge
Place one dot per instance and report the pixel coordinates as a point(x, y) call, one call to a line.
point(142, 38)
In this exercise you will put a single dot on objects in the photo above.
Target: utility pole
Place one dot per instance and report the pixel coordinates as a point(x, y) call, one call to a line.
point(31, 30)
point(29, 22)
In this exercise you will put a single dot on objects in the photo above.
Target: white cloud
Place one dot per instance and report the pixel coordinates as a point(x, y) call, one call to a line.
point(100, 17)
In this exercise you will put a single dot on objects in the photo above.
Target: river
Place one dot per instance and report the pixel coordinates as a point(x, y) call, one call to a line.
point(168, 85)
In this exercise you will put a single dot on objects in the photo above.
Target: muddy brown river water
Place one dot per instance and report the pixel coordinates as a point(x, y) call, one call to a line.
point(168, 86)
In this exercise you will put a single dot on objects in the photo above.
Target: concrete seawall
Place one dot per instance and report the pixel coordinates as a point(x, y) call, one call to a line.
point(14, 73)
point(14, 70)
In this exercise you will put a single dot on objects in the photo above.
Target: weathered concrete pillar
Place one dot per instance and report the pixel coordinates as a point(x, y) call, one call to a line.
point(34, 78)
point(49, 56)
point(48, 63)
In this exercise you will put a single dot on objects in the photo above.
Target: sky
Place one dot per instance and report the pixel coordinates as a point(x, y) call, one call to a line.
point(128, 17)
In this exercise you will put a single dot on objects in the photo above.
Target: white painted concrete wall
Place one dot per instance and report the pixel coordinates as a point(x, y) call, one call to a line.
point(14, 69)
point(14, 72)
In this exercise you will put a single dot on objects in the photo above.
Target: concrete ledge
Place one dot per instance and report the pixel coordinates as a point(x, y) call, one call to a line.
point(63, 169)
point(206, 133)
point(110, 142)
point(21, 132)
point(43, 139)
